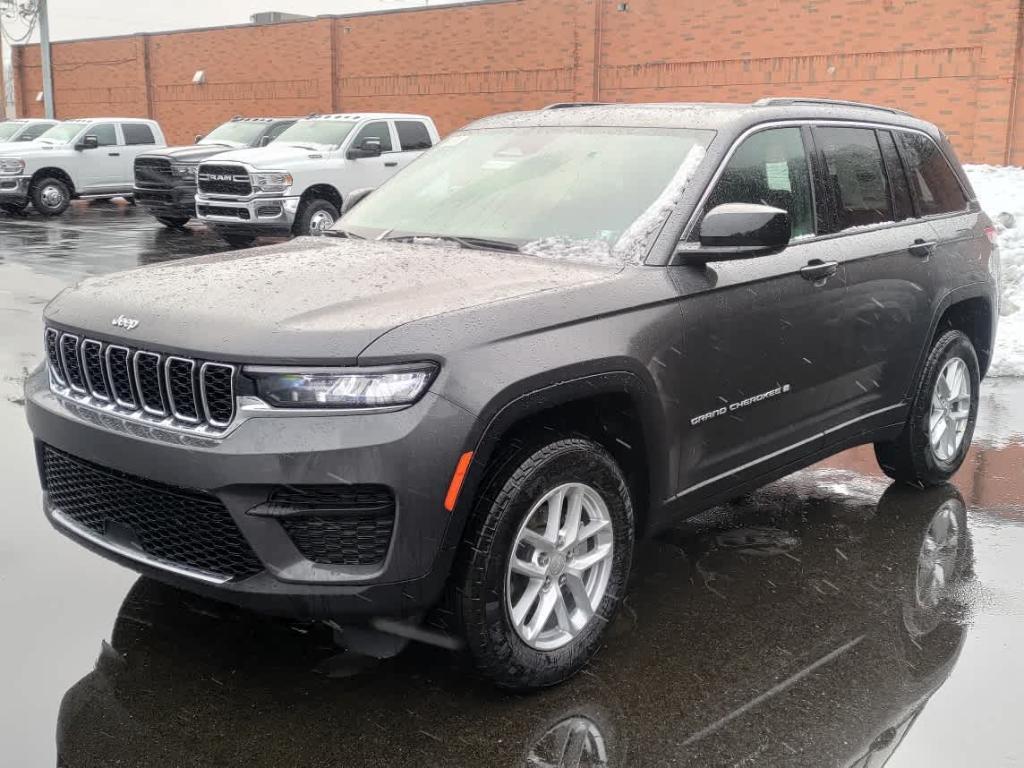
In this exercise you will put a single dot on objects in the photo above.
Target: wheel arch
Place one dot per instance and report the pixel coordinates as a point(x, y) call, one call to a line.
point(969, 309)
point(322, 192)
point(57, 173)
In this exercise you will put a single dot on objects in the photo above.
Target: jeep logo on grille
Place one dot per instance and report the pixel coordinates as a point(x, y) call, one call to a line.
point(128, 323)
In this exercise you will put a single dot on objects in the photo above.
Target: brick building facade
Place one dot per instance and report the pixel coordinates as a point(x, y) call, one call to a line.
point(955, 62)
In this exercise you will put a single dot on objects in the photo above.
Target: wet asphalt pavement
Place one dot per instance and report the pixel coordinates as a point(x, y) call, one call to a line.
point(830, 619)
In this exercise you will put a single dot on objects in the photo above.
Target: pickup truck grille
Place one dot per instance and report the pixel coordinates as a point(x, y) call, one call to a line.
point(140, 384)
point(215, 179)
point(153, 173)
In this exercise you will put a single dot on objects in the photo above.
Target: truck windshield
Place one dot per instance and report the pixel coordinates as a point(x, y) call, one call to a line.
point(320, 133)
point(7, 130)
point(62, 133)
point(545, 185)
point(239, 134)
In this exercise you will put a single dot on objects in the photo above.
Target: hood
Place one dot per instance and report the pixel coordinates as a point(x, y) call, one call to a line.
point(21, 147)
point(311, 300)
point(272, 156)
point(190, 153)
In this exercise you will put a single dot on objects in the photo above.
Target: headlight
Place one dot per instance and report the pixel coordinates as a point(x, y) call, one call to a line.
point(184, 170)
point(11, 167)
point(271, 181)
point(342, 387)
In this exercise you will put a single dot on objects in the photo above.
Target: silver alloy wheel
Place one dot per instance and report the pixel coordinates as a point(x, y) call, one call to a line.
point(320, 221)
point(559, 567)
point(951, 408)
point(936, 562)
point(52, 196)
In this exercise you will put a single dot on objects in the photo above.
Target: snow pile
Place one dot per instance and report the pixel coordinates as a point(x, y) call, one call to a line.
point(1000, 191)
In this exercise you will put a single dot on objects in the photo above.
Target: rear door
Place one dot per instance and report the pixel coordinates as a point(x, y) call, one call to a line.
point(137, 138)
point(872, 231)
point(413, 139)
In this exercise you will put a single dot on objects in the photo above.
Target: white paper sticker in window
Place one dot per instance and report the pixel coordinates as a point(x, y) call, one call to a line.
point(778, 176)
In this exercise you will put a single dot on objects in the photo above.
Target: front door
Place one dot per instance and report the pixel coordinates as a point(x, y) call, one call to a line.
point(371, 172)
point(100, 167)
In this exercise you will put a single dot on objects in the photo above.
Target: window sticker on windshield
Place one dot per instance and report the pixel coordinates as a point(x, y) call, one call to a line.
point(778, 176)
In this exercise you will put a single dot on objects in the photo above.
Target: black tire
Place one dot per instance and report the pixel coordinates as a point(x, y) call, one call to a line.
point(237, 239)
point(508, 497)
point(910, 457)
point(173, 222)
point(311, 212)
point(14, 208)
point(50, 196)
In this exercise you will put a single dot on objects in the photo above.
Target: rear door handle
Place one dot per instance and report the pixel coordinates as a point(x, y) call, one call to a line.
point(114, 154)
point(817, 270)
point(391, 164)
point(922, 248)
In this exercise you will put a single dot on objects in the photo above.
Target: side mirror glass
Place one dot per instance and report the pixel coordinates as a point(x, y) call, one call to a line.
point(742, 231)
point(88, 142)
point(354, 198)
point(369, 147)
point(266, 140)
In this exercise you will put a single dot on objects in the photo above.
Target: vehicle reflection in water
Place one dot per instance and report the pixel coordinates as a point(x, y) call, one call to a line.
point(805, 625)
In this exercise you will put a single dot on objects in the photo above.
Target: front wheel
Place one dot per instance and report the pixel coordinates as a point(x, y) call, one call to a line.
point(173, 222)
point(938, 431)
point(547, 559)
point(314, 217)
point(50, 196)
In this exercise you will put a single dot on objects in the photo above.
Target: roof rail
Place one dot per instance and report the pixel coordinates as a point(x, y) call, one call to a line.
point(571, 104)
point(775, 101)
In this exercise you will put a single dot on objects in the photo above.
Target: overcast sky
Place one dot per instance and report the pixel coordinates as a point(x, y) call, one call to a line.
point(70, 19)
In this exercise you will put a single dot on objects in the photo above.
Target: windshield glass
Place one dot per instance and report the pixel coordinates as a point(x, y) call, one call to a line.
point(240, 134)
point(324, 133)
point(533, 185)
point(62, 133)
point(7, 130)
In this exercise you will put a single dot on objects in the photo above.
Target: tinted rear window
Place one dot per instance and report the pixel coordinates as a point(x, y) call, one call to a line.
point(137, 133)
point(856, 176)
point(413, 135)
point(934, 184)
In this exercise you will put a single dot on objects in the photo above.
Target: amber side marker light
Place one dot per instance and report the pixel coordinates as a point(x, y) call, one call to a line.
point(456, 484)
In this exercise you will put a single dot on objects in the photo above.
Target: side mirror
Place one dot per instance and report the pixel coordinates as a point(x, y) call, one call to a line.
point(370, 147)
point(354, 198)
point(266, 140)
point(199, 137)
point(742, 231)
point(88, 142)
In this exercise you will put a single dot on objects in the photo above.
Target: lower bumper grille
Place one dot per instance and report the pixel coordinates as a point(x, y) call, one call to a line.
point(171, 525)
point(337, 525)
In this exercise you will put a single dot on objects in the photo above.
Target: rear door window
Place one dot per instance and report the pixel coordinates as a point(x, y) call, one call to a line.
point(413, 135)
point(855, 176)
point(137, 133)
point(903, 207)
point(933, 182)
point(379, 130)
point(770, 168)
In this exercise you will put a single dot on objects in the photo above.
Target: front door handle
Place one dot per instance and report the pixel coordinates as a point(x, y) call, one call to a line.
point(391, 164)
point(818, 271)
point(922, 248)
point(114, 154)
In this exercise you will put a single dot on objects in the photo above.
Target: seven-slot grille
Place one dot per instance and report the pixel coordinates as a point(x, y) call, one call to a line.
point(217, 179)
point(181, 389)
point(153, 172)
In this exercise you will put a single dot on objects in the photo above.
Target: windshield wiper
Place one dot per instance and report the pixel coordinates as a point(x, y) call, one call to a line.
point(464, 241)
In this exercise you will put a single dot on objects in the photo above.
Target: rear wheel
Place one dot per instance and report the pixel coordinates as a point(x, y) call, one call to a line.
point(314, 217)
point(547, 562)
point(174, 222)
point(938, 432)
point(50, 196)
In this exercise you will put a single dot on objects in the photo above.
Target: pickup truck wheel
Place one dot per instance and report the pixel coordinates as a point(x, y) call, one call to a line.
point(314, 217)
point(50, 196)
point(938, 431)
point(546, 563)
point(174, 222)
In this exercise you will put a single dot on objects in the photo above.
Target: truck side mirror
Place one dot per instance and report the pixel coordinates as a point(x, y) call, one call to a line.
point(88, 142)
point(199, 137)
point(370, 147)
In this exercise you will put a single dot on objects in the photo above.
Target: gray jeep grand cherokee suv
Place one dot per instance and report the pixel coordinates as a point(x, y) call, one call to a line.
point(555, 332)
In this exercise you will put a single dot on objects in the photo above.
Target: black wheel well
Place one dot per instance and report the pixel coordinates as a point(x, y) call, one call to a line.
point(611, 419)
point(56, 173)
point(974, 318)
point(323, 192)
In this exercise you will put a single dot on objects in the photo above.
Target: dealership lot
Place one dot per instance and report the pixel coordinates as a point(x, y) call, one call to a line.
point(783, 629)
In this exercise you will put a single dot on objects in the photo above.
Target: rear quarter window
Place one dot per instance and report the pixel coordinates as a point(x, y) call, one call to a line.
point(932, 181)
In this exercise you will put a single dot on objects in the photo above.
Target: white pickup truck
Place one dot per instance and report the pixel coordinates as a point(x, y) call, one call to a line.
point(90, 157)
point(298, 184)
point(24, 129)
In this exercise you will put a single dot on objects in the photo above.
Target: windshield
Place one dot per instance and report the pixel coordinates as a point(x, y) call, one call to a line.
point(240, 134)
point(320, 133)
point(62, 133)
point(7, 130)
point(532, 185)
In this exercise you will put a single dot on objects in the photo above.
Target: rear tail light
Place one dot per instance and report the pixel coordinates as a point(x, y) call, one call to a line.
point(991, 234)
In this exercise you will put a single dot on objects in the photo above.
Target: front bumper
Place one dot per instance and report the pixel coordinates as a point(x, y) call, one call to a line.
point(14, 189)
point(258, 213)
point(412, 451)
point(173, 202)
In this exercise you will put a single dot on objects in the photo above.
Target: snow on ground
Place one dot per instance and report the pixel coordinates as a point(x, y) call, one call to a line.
point(1001, 190)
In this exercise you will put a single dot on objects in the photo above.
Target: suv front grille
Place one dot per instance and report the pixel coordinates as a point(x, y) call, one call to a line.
point(153, 173)
point(336, 525)
point(171, 525)
point(217, 179)
point(137, 383)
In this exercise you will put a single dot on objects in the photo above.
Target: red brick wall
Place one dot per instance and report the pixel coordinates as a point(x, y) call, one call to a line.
point(956, 62)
